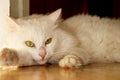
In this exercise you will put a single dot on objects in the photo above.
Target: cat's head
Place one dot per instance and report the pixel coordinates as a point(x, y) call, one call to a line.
point(35, 35)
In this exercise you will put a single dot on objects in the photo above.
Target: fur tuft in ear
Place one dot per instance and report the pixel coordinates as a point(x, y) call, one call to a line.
point(55, 15)
point(7, 23)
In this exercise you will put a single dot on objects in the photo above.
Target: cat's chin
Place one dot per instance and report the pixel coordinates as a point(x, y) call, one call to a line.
point(41, 62)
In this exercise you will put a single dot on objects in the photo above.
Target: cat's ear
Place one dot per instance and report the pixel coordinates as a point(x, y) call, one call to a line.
point(7, 23)
point(54, 16)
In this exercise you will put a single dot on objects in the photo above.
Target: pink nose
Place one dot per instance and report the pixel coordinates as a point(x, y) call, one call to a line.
point(42, 55)
point(42, 52)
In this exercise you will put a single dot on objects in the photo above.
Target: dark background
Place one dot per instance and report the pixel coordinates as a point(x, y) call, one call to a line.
point(102, 8)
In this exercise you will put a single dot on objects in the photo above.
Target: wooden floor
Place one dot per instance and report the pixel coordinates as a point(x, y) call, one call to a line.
point(53, 72)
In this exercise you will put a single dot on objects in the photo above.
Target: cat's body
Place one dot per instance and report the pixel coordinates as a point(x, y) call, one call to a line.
point(77, 41)
point(99, 37)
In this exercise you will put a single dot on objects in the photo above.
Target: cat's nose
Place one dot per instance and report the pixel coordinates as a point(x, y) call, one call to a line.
point(42, 52)
point(42, 55)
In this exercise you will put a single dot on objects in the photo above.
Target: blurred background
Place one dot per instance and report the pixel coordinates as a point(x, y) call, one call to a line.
point(102, 8)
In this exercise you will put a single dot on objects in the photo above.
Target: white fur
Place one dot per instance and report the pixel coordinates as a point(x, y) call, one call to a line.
point(100, 37)
point(79, 40)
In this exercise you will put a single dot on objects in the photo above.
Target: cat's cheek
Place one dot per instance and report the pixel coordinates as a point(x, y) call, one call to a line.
point(36, 57)
point(34, 54)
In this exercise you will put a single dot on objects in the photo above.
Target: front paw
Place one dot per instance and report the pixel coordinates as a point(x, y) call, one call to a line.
point(70, 61)
point(8, 57)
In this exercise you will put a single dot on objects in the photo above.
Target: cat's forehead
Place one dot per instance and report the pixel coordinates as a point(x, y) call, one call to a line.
point(37, 28)
point(41, 27)
point(39, 23)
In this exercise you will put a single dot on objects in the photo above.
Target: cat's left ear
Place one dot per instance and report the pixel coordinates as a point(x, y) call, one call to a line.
point(7, 23)
point(54, 16)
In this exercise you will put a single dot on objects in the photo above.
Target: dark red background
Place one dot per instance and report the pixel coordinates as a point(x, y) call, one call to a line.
point(102, 8)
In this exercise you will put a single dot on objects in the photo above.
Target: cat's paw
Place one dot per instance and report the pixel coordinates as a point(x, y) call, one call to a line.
point(8, 57)
point(70, 61)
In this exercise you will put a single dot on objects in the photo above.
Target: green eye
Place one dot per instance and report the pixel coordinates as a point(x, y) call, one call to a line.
point(30, 44)
point(48, 41)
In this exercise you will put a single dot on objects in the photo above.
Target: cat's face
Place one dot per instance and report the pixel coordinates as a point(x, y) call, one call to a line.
point(37, 36)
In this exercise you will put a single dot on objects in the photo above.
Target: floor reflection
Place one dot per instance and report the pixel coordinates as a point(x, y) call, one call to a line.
point(53, 72)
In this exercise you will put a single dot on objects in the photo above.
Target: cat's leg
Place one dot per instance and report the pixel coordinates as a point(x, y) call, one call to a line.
point(8, 58)
point(75, 58)
point(70, 61)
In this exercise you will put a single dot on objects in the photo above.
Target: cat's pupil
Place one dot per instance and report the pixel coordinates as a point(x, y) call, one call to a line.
point(48, 41)
point(29, 43)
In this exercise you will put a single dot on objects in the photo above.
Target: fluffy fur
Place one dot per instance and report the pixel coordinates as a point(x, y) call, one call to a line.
point(79, 40)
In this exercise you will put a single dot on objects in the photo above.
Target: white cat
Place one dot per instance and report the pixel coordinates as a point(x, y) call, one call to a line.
point(41, 39)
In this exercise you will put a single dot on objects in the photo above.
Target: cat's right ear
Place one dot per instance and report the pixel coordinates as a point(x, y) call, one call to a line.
point(54, 16)
point(7, 23)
